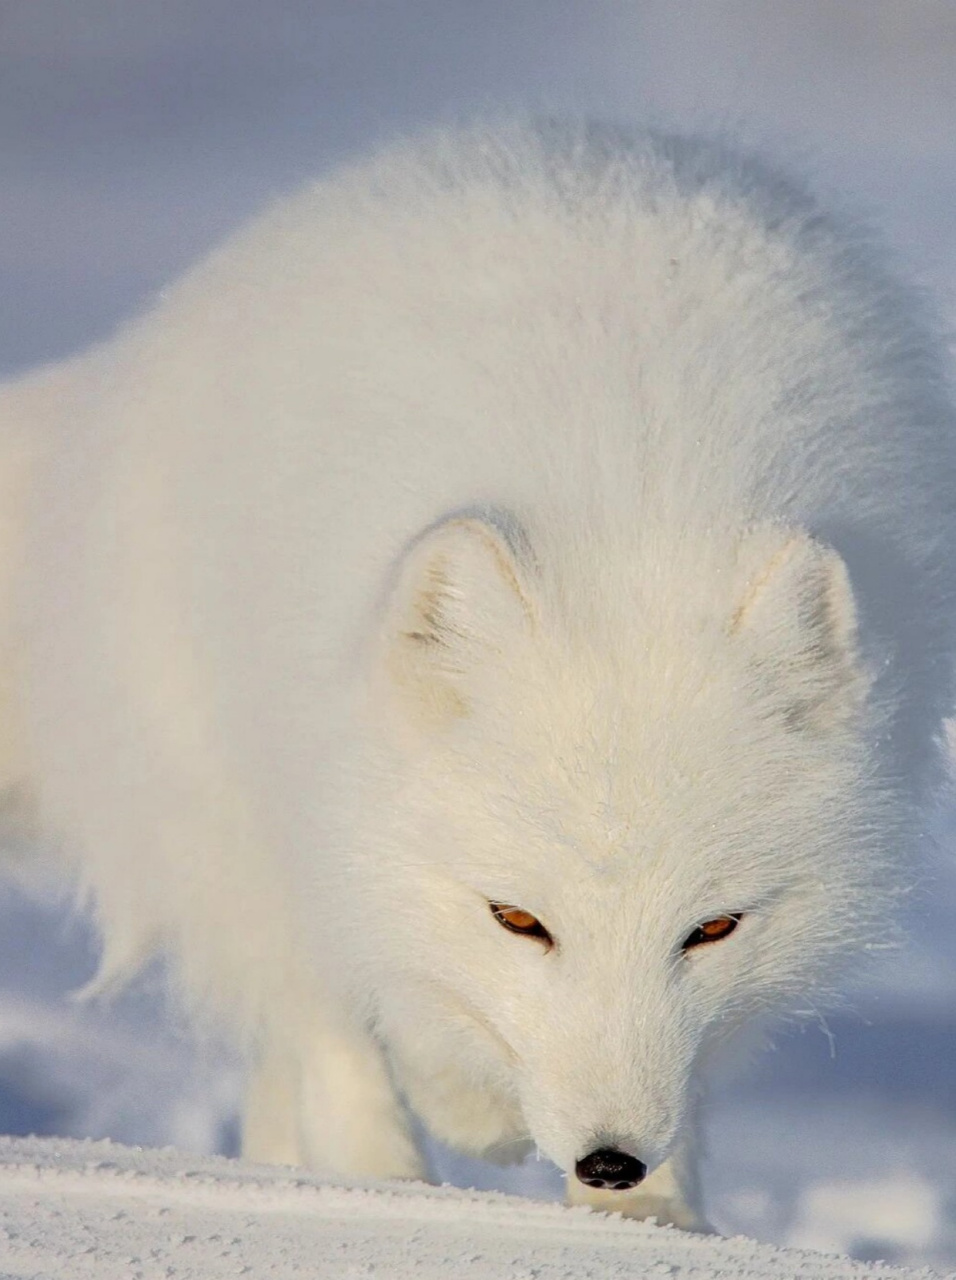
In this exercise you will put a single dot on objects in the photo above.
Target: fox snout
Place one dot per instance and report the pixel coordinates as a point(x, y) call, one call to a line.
point(610, 1170)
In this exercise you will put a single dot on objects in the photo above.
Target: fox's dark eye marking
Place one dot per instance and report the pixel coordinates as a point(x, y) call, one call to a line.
point(517, 920)
point(712, 931)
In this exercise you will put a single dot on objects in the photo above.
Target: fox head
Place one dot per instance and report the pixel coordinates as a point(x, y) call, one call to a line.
point(625, 803)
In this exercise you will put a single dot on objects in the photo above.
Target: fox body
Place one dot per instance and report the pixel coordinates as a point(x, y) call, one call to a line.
point(507, 557)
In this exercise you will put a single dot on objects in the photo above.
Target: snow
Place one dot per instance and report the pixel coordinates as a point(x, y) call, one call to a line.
point(907, 1207)
point(97, 1209)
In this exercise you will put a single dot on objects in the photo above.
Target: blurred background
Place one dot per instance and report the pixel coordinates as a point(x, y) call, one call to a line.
point(133, 135)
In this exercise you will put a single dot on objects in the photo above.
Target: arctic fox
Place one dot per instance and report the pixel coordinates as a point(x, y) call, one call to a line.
point(490, 626)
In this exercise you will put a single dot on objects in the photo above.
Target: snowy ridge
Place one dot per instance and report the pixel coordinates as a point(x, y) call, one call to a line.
point(97, 1209)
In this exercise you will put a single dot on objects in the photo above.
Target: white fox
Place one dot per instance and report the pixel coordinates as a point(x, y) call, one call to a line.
point(490, 627)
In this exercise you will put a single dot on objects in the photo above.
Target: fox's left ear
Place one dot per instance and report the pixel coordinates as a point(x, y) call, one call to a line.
point(458, 610)
point(797, 616)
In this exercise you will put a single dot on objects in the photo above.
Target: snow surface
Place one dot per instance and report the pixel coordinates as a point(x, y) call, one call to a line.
point(99, 1210)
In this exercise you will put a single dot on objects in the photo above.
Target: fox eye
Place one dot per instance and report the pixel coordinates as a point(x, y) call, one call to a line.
point(712, 931)
point(517, 920)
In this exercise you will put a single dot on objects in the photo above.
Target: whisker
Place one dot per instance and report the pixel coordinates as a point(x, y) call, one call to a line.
point(510, 1142)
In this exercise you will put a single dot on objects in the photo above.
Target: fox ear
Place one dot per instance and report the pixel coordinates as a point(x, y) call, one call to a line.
point(458, 609)
point(797, 616)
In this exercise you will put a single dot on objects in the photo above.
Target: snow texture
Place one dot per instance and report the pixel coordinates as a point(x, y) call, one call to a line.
point(96, 1209)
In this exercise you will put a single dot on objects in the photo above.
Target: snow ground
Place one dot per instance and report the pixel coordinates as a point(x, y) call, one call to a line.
point(134, 136)
point(98, 1211)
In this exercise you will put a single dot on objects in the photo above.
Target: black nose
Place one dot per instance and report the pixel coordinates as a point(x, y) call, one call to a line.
point(613, 1170)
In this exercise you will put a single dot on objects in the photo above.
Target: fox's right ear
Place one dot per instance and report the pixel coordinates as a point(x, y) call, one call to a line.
point(797, 617)
point(457, 612)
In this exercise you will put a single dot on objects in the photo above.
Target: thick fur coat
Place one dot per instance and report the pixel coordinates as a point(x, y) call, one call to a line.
point(554, 517)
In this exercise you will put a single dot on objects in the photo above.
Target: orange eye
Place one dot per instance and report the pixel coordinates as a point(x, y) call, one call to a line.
point(712, 931)
point(520, 921)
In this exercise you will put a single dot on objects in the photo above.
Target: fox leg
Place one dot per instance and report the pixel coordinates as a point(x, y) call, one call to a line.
point(331, 1107)
point(270, 1114)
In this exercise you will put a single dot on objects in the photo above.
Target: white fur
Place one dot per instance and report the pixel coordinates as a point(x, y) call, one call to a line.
point(537, 515)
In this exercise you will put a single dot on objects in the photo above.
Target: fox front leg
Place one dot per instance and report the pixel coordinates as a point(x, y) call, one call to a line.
point(331, 1107)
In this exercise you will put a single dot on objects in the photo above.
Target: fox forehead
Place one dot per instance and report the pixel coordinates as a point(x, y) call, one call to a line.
point(535, 830)
point(612, 785)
